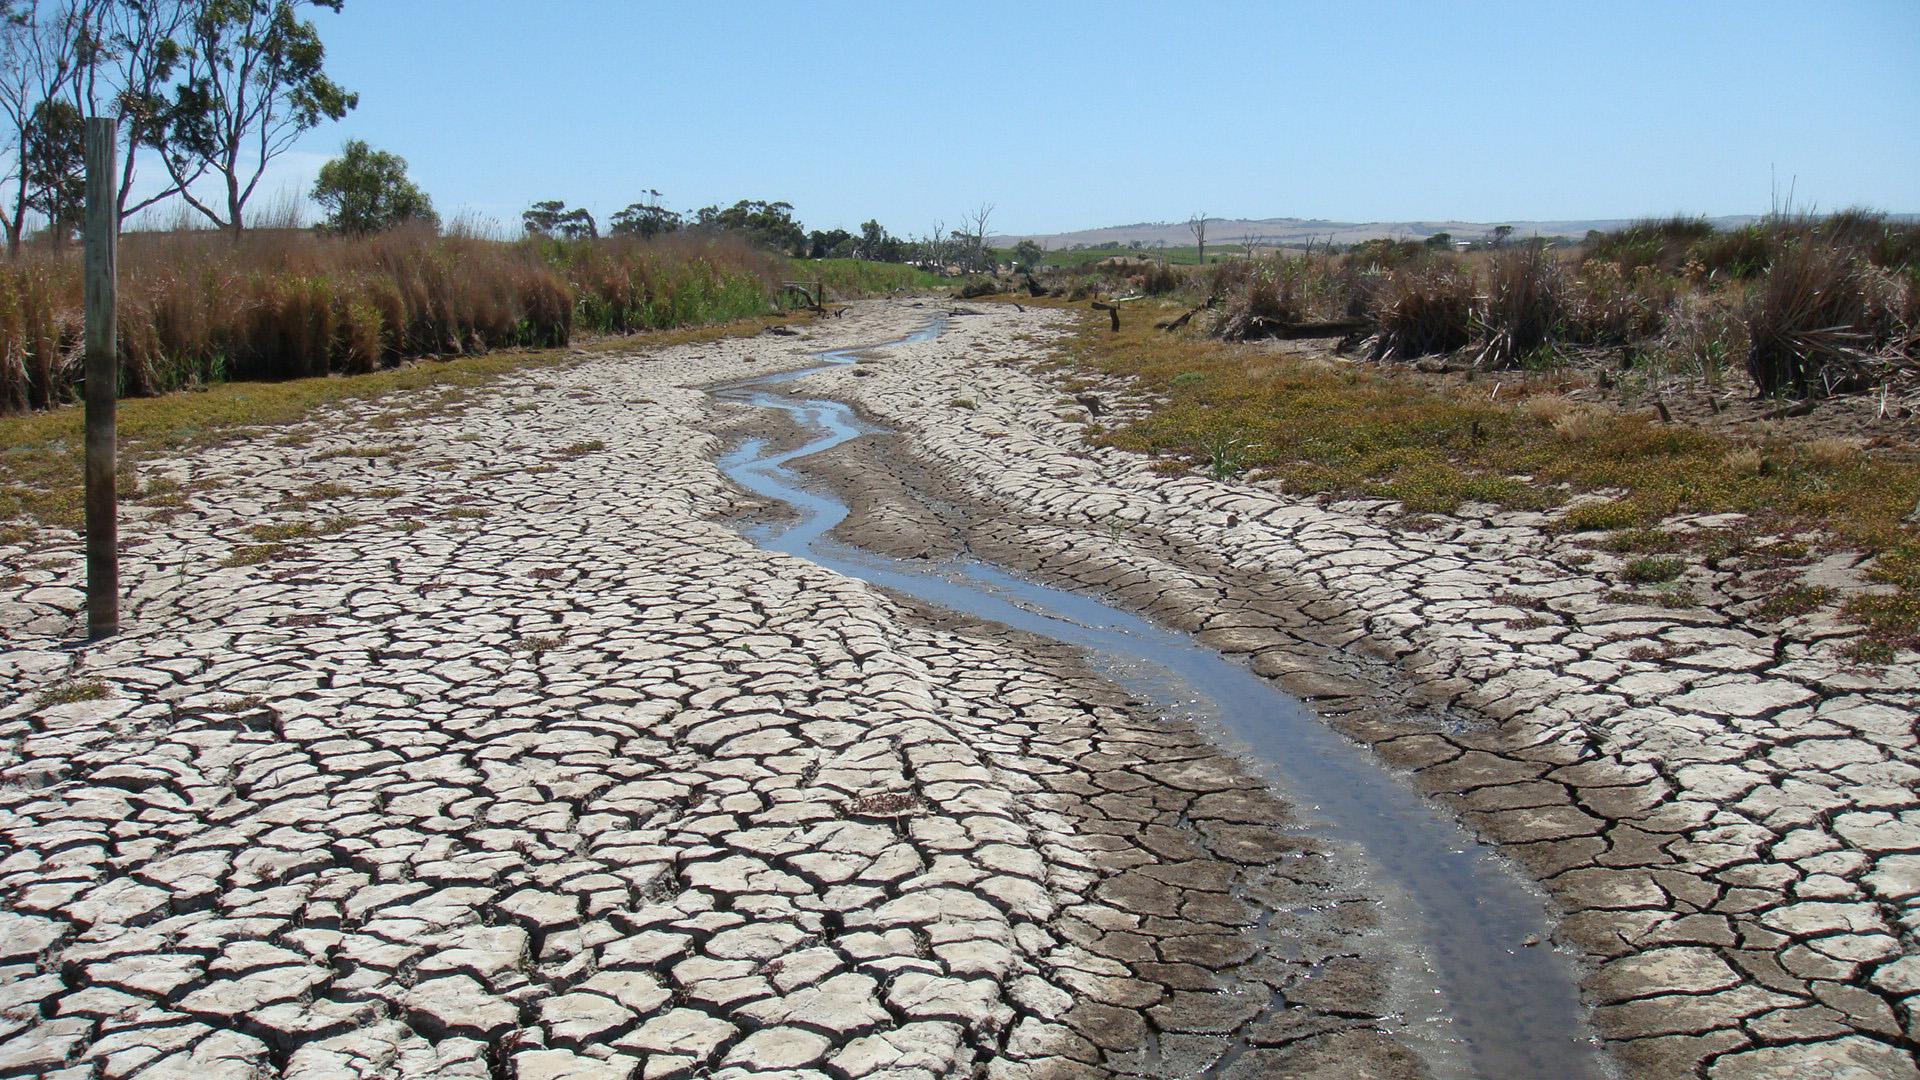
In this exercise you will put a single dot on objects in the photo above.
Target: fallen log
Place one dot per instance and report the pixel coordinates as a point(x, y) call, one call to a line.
point(815, 295)
point(1255, 327)
point(1798, 408)
point(1170, 325)
point(1330, 328)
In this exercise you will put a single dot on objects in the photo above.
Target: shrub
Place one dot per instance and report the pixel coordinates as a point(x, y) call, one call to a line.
point(1268, 295)
point(1385, 254)
point(1702, 333)
point(1740, 253)
point(978, 285)
point(1522, 308)
point(1422, 309)
point(38, 341)
point(1161, 278)
point(1264, 295)
point(1659, 244)
point(1806, 324)
point(1604, 308)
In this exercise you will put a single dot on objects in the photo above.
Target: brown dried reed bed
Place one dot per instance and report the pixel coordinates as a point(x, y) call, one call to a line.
point(195, 309)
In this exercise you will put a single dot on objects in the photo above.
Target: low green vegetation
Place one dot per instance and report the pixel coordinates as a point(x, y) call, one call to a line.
point(72, 692)
point(1648, 570)
point(1318, 427)
point(537, 645)
point(255, 554)
point(860, 277)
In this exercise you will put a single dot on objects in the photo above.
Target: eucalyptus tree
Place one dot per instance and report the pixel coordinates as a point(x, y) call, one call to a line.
point(251, 80)
point(367, 191)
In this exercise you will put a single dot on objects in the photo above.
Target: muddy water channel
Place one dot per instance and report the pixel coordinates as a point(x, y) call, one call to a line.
point(1484, 994)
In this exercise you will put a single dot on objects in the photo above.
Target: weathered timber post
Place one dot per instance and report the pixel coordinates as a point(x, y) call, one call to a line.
point(103, 379)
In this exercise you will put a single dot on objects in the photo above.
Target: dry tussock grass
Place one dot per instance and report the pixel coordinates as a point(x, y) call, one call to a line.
point(1832, 453)
point(1744, 461)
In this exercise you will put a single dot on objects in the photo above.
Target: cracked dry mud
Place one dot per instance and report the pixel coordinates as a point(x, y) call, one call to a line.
point(542, 770)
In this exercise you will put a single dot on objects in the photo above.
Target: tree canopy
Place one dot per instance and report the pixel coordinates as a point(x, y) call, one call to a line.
point(645, 220)
point(366, 190)
point(215, 89)
point(252, 82)
point(769, 224)
point(552, 218)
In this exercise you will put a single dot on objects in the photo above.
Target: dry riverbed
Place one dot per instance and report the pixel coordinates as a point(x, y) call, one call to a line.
point(505, 755)
point(513, 758)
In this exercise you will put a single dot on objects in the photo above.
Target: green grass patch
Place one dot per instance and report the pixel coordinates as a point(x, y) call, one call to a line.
point(280, 532)
point(1601, 515)
point(536, 645)
point(255, 554)
point(368, 453)
point(1648, 570)
point(71, 691)
point(846, 278)
point(1640, 541)
point(319, 492)
point(1892, 619)
point(1793, 601)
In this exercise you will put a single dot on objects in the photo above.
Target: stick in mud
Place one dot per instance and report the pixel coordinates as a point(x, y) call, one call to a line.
point(103, 380)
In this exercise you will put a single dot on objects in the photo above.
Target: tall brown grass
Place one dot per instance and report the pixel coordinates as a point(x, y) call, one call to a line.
point(196, 309)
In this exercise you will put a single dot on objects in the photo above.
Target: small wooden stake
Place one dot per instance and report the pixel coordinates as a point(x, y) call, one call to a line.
point(103, 378)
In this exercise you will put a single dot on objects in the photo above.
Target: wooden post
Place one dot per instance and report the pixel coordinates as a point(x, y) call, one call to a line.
point(103, 378)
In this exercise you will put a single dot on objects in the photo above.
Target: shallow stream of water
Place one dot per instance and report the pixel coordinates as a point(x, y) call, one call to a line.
point(1494, 999)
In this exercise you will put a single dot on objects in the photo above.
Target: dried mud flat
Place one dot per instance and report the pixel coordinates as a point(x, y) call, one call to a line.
point(540, 769)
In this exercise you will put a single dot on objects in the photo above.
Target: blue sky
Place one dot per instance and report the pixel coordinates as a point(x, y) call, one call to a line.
point(1069, 115)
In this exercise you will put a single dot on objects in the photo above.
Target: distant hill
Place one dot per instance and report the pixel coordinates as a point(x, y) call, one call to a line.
point(1298, 232)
